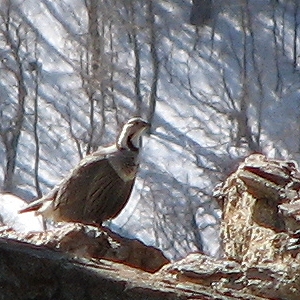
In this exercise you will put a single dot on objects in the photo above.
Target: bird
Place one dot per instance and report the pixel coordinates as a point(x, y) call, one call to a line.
point(99, 187)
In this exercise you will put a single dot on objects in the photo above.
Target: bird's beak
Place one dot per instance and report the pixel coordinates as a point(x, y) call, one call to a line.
point(146, 128)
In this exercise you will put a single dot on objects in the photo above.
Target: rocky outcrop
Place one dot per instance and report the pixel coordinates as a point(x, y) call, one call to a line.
point(261, 211)
point(78, 240)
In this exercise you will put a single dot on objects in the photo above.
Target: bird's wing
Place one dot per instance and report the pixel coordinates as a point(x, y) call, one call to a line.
point(93, 192)
point(108, 193)
point(79, 178)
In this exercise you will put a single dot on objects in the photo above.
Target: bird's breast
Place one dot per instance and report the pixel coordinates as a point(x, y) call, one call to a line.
point(125, 165)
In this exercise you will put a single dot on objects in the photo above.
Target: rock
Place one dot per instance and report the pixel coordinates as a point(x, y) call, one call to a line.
point(92, 242)
point(260, 226)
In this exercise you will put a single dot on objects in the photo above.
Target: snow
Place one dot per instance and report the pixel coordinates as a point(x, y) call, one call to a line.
point(9, 207)
point(204, 76)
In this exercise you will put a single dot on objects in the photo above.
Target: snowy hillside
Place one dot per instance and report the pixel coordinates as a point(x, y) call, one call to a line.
point(72, 72)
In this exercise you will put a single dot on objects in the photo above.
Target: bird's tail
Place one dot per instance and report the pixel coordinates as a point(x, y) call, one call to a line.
point(37, 204)
point(33, 206)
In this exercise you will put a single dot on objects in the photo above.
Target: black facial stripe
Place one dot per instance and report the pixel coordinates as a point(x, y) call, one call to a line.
point(130, 145)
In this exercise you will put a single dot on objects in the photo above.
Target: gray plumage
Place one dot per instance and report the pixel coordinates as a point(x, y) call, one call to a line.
point(100, 186)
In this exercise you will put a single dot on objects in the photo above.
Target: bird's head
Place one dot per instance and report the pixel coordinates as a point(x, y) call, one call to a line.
point(130, 135)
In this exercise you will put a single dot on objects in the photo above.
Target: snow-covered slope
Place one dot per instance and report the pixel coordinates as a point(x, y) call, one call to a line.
point(224, 90)
point(9, 208)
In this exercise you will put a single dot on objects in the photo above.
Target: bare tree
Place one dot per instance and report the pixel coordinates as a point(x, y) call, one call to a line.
point(35, 67)
point(201, 12)
point(12, 34)
point(95, 46)
point(155, 61)
point(296, 50)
